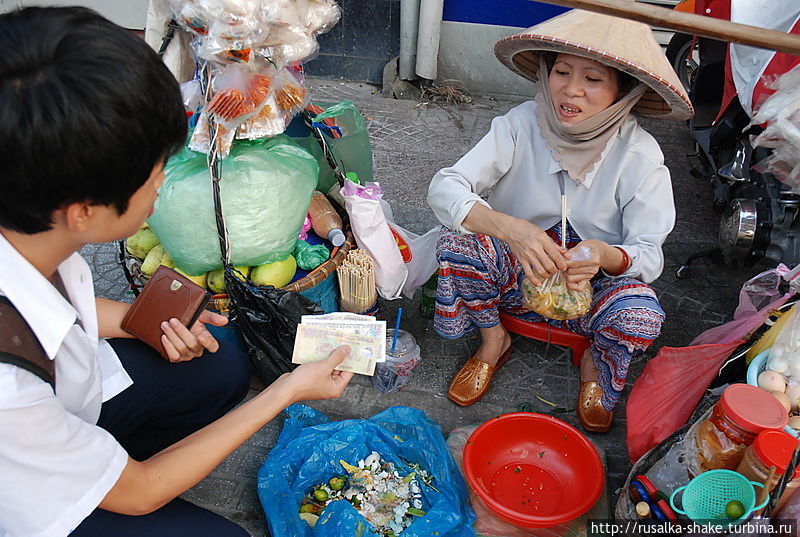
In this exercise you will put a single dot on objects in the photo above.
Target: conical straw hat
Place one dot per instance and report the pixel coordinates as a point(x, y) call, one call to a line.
point(625, 45)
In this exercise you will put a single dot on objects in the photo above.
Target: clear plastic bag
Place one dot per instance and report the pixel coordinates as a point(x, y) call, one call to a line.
point(290, 94)
point(319, 16)
point(267, 122)
point(554, 300)
point(395, 372)
point(781, 113)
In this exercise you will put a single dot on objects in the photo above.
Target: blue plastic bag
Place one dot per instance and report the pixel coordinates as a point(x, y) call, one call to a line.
point(308, 453)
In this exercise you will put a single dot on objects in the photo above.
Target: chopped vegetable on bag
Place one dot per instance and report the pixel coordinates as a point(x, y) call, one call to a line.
point(554, 300)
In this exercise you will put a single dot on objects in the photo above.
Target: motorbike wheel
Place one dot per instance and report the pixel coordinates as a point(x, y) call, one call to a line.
point(683, 57)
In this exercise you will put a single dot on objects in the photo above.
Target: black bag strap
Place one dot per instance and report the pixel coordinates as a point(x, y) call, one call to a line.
point(19, 346)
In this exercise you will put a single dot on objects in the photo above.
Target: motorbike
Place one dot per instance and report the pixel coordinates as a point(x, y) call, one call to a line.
point(759, 215)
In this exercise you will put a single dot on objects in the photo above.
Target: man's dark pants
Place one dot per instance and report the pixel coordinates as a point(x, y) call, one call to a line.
point(166, 403)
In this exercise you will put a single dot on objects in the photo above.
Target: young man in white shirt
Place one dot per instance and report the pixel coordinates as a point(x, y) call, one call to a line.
point(88, 115)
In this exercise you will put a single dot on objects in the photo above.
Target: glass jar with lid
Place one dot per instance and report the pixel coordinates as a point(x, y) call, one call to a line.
point(770, 448)
point(739, 416)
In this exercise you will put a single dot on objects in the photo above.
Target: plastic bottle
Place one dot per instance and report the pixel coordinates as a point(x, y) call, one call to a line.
point(427, 303)
point(325, 220)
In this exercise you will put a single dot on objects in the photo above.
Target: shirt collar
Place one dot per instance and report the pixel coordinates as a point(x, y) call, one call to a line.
point(46, 311)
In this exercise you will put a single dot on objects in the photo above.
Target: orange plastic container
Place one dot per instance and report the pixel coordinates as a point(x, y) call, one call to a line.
point(533, 470)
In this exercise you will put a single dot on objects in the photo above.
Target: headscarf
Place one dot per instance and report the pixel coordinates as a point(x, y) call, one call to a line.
point(578, 148)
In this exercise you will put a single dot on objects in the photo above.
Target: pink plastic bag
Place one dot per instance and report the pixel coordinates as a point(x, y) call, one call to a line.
point(666, 393)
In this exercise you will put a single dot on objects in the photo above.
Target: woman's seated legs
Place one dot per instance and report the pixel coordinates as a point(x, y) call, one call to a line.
point(475, 271)
point(167, 401)
point(624, 319)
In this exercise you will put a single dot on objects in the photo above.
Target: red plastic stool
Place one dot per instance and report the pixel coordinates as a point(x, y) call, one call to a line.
point(545, 332)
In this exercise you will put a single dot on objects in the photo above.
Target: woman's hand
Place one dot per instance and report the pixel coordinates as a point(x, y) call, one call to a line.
point(538, 254)
point(182, 344)
point(579, 273)
point(317, 380)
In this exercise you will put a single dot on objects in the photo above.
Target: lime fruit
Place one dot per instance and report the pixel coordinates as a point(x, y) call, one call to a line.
point(734, 509)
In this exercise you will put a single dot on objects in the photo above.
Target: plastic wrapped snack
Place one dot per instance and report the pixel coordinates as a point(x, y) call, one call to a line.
point(267, 122)
point(238, 92)
point(554, 300)
point(319, 15)
point(200, 142)
point(292, 97)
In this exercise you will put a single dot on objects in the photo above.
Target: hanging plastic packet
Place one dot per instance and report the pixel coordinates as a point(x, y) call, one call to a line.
point(290, 94)
point(192, 95)
point(267, 122)
point(200, 140)
point(238, 91)
point(395, 372)
point(554, 300)
point(319, 15)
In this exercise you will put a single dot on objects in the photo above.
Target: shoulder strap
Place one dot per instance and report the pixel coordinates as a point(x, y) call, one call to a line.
point(19, 346)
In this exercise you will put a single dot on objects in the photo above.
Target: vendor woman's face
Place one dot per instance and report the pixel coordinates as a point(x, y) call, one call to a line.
point(581, 87)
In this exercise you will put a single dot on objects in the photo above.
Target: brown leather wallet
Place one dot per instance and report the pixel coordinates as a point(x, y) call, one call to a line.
point(166, 296)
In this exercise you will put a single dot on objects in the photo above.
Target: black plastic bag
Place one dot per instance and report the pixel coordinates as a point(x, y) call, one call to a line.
point(268, 318)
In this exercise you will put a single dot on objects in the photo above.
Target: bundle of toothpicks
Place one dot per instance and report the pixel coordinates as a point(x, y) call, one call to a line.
point(357, 291)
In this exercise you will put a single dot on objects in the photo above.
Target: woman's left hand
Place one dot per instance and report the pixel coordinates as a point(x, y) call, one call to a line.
point(182, 344)
point(579, 273)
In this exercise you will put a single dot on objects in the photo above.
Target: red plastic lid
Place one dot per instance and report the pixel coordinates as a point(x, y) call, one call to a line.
point(752, 408)
point(775, 448)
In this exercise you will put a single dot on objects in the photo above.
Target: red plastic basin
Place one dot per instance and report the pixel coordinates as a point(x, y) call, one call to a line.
point(533, 470)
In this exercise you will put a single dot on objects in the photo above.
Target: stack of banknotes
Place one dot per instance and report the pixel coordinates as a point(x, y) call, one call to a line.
point(319, 335)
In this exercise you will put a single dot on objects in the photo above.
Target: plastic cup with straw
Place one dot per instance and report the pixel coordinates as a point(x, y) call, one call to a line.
point(396, 328)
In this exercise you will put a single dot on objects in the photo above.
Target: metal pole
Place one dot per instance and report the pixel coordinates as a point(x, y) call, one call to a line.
point(690, 23)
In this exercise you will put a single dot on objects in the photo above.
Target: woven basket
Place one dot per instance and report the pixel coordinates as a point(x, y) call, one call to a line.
point(132, 267)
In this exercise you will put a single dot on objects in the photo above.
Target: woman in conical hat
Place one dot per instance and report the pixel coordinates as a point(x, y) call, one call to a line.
point(578, 136)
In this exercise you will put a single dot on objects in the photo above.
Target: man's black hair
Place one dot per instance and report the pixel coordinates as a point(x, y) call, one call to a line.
point(87, 110)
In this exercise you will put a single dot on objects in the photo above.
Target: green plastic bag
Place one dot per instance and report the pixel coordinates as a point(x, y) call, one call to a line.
point(309, 257)
point(352, 150)
point(266, 189)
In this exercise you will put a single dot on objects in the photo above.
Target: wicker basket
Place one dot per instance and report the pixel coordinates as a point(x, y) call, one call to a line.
point(320, 285)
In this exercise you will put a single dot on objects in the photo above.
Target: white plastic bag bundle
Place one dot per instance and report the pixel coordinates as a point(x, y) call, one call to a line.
point(781, 113)
point(421, 257)
point(372, 234)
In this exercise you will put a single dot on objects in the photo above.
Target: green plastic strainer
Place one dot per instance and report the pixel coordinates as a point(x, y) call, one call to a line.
point(707, 495)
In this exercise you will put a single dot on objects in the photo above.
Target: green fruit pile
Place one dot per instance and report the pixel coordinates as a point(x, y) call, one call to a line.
point(145, 246)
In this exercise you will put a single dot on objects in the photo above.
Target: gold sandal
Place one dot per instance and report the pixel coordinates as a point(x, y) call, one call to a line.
point(591, 414)
point(472, 381)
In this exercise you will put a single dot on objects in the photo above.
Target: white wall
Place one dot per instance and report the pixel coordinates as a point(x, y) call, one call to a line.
point(127, 13)
point(466, 53)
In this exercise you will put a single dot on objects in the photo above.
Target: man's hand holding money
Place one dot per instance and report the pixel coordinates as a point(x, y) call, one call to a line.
point(317, 380)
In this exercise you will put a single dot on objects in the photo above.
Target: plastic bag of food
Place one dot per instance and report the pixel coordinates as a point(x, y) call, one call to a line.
point(319, 16)
point(292, 97)
point(781, 113)
point(554, 300)
point(309, 451)
point(266, 188)
point(199, 140)
point(238, 91)
point(267, 122)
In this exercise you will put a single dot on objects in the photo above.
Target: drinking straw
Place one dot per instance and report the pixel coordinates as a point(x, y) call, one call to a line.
point(396, 328)
point(563, 220)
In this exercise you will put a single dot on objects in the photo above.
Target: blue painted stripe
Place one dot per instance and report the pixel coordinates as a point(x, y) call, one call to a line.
point(518, 13)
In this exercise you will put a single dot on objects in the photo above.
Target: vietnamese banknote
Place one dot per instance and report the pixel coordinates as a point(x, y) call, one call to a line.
point(314, 343)
point(371, 329)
